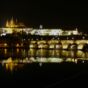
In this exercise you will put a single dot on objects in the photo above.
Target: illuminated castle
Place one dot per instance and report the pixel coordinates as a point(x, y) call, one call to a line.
point(14, 24)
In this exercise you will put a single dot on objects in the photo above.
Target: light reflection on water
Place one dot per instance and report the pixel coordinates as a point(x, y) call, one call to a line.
point(15, 58)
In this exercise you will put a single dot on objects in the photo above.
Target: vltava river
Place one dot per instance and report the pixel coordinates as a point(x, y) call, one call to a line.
point(16, 57)
point(43, 68)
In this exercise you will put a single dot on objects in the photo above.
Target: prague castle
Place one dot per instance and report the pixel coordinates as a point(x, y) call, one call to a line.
point(13, 26)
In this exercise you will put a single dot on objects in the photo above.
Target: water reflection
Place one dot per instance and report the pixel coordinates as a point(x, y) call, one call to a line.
point(17, 57)
point(10, 64)
point(22, 53)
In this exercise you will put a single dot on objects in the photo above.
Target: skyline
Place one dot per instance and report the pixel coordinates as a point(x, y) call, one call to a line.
point(63, 14)
point(52, 55)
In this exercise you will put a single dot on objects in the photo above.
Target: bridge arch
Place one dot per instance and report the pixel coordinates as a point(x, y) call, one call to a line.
point(58, 45)
point(85, 47)
point(73, 46)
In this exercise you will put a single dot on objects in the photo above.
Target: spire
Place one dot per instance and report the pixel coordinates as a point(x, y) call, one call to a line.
point(12, 22)
point(7, 23)
point(40, 26)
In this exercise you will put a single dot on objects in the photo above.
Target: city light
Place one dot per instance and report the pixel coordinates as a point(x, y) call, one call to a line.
point(13, 26)
point(41, 42)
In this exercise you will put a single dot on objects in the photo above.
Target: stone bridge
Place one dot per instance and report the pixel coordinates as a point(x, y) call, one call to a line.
point(59, 44)
point(48, 44)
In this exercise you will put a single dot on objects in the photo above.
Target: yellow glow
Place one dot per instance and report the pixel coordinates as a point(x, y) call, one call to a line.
point(52, 46)
point(32, 59)
point(41, 59)
point(42, 46)
point(5, 44)
point(17, 45)
point(65, 46)
point(41, 42)
point(76, 60)
point(33, 46)
point(21, 44)
point(80, 46)
point(5, 50)
point(12, 24)
point(9, 64)
point(18, 50)
point(69, 33)
point(56, 32)
point(56, 60)
point(9, 30)
point(68, 59)
point(75, 32)
point(58, 46)
point(65, 53)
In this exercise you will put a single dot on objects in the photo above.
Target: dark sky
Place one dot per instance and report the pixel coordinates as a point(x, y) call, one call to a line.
point(60, 13)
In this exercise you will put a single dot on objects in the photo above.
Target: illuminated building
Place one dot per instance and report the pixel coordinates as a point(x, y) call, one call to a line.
point(13, 26)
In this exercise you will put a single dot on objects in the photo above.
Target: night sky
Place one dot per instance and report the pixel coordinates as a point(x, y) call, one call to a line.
point(52, 14)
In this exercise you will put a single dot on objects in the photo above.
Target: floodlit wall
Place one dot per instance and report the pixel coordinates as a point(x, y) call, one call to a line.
point(39, 31)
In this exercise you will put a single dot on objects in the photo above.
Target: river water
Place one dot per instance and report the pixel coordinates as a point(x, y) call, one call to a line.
point(43, 68)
